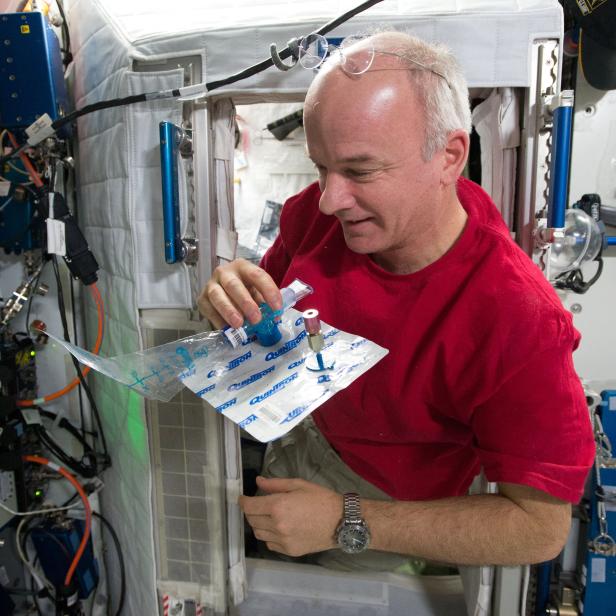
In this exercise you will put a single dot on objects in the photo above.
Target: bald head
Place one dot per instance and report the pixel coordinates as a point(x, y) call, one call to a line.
point(380, 101)
point(434, 82)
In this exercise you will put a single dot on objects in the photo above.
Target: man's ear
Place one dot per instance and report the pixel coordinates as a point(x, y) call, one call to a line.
point(455, 154)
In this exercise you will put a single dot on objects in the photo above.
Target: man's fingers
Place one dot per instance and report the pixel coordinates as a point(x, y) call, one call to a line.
point(234, 286)
point(225, 313)
point(220, 309)
point(234, 293)
point(274, 485)
point(256, 505)
point(261, 523)
point(264, 284)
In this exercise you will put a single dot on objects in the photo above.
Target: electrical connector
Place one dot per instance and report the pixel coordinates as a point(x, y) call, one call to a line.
point(78, 258)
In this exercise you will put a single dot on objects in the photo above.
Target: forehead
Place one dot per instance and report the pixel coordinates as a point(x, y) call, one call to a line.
point(360, 116)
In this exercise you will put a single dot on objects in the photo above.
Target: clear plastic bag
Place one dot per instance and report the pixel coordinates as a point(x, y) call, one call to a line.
point(265, 390)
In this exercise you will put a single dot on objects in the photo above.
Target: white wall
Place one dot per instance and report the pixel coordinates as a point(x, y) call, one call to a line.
point(593, 170)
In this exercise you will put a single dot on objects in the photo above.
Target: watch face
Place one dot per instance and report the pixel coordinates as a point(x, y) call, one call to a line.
point(353, 538)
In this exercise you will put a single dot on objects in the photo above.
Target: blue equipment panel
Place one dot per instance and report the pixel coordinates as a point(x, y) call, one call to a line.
point(599, 597)
point(31, 72)
point(16, 229)
point(56, 546)
point(18, 223)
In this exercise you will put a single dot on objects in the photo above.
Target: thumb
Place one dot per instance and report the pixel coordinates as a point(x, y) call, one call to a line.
point(273, 485)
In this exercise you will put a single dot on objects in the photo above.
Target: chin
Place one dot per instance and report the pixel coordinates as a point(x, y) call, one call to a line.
point(361, 245)
point(360, 248)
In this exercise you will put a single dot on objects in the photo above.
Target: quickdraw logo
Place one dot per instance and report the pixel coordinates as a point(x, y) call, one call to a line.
point(251, 379)
point(225, 405)
point(280, 385)
point(285, 348)
point(296, 364)
point(205, 390)
point(234, 363)
point(296, 412)
point(247, 421)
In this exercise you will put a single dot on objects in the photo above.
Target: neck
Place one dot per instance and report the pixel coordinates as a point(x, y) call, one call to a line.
point(436, 236)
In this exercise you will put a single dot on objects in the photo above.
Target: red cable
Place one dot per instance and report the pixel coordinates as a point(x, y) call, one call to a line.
point(36, 178)
point(97, 345)
point(86, 504)
point(38, 182)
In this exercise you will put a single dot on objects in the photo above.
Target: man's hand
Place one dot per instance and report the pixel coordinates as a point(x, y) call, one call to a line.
point(295, 517)
point(233, 293)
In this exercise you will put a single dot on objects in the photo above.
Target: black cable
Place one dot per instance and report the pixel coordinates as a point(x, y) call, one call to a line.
point(85, 469)
point(212, 85)
point(108, 104)
point(65, 179)
point(65, 424)
point(32, 294)
point(574, 280)
point(286, 52)
point(68, 56)
point(118, 546)
point(62, 309)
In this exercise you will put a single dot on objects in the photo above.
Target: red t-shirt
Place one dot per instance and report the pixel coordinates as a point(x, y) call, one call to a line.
point(479, 371)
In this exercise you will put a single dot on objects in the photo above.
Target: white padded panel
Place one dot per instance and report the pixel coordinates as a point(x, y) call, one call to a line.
point(490, 37)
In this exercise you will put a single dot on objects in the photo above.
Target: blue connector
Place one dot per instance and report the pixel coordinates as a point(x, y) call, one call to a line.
point(267, 329)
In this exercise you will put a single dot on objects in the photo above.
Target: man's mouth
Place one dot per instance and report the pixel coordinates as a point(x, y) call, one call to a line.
point(355, 222)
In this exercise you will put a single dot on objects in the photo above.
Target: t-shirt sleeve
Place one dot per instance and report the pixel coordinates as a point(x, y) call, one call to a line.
point(535, 429)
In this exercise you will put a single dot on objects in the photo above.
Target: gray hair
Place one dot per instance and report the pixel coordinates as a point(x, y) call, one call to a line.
point(441, 89)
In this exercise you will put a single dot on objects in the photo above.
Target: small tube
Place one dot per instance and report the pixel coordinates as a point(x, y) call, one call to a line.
point(294, 292)
point(312, 324)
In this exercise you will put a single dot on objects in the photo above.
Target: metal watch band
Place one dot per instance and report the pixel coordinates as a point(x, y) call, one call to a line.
point(352, 510)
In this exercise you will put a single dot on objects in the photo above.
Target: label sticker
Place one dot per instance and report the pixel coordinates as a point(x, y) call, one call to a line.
point(56, 239)
point(270, 414)
point(597, 573)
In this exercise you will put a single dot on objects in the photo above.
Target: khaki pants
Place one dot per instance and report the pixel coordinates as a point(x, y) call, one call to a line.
point(305, 453)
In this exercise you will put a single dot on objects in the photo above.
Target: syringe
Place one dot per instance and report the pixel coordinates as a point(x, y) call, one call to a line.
point(266, 329)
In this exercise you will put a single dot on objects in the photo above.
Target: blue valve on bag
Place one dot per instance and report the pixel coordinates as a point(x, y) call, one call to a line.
point(267, 329)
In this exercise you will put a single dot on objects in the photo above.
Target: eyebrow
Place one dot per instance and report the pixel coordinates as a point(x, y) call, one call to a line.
point(360, 158)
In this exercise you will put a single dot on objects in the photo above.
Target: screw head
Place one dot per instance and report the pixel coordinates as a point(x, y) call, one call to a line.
point(576, 308)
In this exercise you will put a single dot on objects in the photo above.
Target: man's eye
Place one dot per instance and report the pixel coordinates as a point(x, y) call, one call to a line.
point(359, 173)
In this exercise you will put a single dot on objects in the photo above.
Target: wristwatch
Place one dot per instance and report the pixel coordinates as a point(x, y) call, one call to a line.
point(353, 535)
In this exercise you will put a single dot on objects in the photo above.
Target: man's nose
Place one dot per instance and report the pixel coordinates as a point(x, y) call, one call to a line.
point(336, 194)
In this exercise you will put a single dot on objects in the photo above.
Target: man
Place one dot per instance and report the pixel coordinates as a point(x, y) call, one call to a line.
point(404, 252)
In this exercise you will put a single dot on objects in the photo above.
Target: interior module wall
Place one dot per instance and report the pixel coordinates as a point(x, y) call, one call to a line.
point(593, 170)
point(266, 169)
